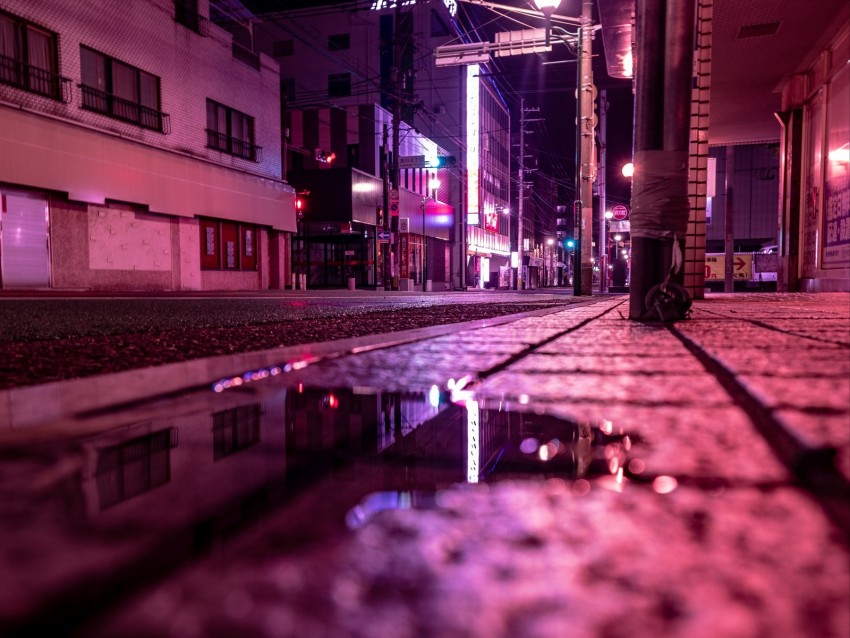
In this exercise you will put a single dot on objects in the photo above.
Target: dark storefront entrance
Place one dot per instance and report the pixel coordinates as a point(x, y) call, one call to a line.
point(330, 260)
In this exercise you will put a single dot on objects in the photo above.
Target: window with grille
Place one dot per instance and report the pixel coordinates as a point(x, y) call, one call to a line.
point(28, 57)
point(117, 89)
point(231, 131)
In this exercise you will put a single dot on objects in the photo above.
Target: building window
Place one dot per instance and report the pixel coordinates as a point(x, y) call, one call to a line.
point(186, 13)
point(28, 57)
point(339, 42)
point(134, 467)
point(228, 245)
point(339, 84)
point(119, 90)
point(283, 48)
point(235, 430)
point(287, 89)
point(231, 131)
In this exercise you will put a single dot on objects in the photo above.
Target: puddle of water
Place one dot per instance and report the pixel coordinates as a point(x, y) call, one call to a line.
point(148, 496)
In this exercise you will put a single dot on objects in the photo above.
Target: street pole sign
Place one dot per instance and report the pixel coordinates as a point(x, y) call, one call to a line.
point(412, 161)
point(394, 202)
point(620, 212)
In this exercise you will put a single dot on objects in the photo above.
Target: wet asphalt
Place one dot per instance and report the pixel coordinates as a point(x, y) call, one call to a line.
point(52, 339)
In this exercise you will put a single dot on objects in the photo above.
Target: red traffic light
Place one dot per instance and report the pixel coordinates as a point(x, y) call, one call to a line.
point(300, 206)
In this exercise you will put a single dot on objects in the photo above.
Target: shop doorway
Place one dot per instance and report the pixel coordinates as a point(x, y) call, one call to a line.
point(24, 242)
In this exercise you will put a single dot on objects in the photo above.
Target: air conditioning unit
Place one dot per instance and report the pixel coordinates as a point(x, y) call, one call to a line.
point(439, 110)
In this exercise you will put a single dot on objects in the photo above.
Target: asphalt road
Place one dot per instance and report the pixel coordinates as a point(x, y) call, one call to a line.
point(56, 338)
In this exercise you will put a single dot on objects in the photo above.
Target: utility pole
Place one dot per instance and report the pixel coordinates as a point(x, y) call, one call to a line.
point(523, 120)
point(660, 204)
point(395, 83)
point(602, 250)
point(583, 277)
point(729, 222)
point(521, 191)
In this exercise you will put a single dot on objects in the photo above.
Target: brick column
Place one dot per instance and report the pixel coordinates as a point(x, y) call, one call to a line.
point(698, 154)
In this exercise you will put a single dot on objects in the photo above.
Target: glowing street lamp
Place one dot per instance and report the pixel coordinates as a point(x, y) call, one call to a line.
point(547, 7)
point(628, 170)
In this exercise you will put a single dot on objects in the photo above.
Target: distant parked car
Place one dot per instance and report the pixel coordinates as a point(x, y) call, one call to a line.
point(772, 249)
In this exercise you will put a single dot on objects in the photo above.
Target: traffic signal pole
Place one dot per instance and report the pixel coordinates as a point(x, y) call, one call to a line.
point(583, 277)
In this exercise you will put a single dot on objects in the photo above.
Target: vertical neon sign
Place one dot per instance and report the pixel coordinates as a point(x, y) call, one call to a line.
point(472, 108)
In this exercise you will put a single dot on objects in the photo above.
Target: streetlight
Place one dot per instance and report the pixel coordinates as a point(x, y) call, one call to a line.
point(547, 7)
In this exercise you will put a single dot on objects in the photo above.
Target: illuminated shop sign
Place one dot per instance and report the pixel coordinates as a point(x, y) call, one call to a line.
point(378, 5)
point(472, 105)
point(491, 220)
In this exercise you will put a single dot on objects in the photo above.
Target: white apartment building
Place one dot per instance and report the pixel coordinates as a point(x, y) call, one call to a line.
point(334, 61)
point(139, 150)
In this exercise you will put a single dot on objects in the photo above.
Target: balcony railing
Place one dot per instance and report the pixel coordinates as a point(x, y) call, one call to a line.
point(246, 56)
point(234, 146)
point(123, 109)
point(33, 79)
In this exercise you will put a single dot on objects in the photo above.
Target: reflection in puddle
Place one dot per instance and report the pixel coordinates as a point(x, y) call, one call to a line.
point(148, 496)
point(434, 441)
point(370, 440)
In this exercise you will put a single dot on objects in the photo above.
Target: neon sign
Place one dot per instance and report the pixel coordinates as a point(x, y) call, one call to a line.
point(472, 102)
point(379, 5)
